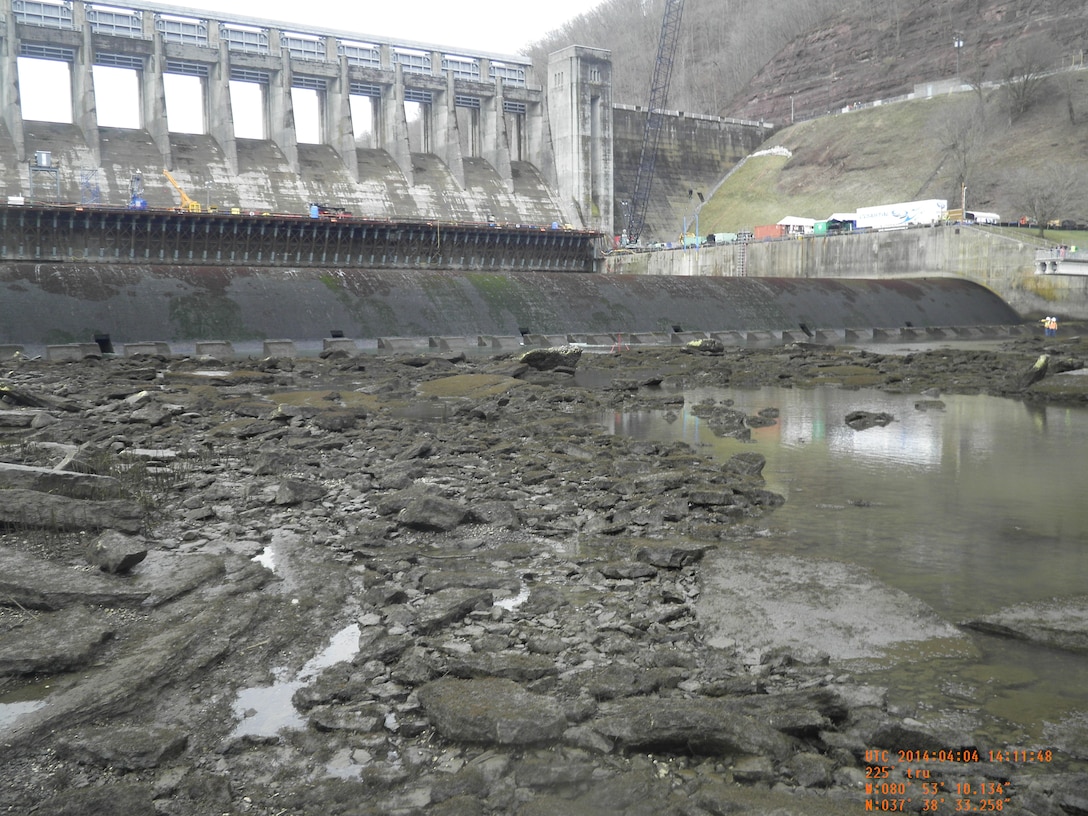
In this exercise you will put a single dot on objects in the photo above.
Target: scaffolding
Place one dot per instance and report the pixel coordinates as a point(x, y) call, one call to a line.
point(44, 178)
point(89, 190)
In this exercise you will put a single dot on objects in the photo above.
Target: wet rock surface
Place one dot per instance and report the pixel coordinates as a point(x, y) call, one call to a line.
point(816, 609)
point(1058, 624)
point(523, 593)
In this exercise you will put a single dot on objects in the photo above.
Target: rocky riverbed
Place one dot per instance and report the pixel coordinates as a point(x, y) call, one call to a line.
point(393, 584)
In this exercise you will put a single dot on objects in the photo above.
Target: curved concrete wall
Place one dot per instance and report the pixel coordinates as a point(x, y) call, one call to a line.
point(1002, 262)
point(43, 304)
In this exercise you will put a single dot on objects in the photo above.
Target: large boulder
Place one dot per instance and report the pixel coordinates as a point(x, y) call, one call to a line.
point(127, 748)
point(431, 513)
point(62, 482)
point(491, 710)
point(448, 605)
point(116, 552)
point(1058, 624)
point(863, 420)
point(699, 726)
point(110, 800)
point(748, 463)
point(53, 643)
point(548, 359)
point(25, 509)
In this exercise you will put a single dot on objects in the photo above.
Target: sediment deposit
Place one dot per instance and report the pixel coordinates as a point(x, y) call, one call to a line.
point(470, 598)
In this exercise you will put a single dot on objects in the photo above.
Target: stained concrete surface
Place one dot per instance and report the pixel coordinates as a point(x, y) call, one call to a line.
point(68, 303)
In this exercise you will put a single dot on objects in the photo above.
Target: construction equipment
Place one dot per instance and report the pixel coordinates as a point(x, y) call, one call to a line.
point(659, 93)
point(187, 204)
point(328, 211)
point(136, 200)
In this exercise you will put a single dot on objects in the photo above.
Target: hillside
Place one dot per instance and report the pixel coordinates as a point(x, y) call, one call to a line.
point(1016, 138)
point(917, 150)
point(868, 51)
point(781, 61)
point(722, 44)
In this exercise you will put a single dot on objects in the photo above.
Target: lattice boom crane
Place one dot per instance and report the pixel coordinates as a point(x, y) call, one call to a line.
point(659, 93)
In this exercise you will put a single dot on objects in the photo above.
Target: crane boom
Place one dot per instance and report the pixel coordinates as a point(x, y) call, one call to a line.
point(187, 203)
point(659, 93)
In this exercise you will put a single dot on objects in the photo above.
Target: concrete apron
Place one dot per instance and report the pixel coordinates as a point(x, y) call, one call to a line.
point(148, 308)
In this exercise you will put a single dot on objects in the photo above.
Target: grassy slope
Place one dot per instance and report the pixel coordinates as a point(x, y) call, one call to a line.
point(893, 153)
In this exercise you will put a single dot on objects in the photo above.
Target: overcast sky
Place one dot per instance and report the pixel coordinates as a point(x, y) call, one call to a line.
point(498, 26)
point(493, 26)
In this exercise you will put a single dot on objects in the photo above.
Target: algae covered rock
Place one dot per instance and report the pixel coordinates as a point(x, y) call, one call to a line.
point(549, 359)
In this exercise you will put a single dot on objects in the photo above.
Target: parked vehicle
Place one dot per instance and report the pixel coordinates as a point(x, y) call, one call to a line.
point(905, 214)
point(767, 232)
point(187, 204)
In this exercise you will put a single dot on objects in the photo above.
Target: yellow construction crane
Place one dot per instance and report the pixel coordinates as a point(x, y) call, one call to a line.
point(187, 204)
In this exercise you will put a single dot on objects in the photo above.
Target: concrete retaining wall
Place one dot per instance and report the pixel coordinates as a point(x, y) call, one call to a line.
point(1002, 264)
point(42, 304)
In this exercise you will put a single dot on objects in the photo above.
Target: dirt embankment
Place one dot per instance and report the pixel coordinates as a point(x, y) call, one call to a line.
point(514, 591)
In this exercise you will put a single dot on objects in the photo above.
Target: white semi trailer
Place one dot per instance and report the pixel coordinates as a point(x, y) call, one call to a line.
point(899, 216)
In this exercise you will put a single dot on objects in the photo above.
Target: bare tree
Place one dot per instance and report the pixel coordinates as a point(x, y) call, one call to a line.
point(1048, 194)
point(962, 131)
point(1067, 81)
point(1023, 72)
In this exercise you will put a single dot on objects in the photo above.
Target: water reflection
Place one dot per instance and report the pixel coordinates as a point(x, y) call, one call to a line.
point(972, 506)
point(10, 712)
point(24, 700)
point(266, 710)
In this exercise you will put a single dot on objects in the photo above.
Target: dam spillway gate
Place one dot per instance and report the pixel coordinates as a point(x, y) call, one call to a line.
point(86, 234)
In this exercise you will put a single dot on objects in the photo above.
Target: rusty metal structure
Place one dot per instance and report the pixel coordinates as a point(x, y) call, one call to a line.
point(78, 234)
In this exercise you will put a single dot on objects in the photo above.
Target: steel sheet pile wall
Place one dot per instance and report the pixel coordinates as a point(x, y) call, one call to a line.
point(118, 236)
point(65, 303)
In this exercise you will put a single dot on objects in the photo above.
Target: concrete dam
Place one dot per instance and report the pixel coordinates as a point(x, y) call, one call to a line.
point(473, 221)
point(75, 276)
point(290, 115)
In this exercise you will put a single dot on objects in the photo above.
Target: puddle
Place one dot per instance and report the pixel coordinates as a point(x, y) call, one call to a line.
point(267, 559)
point(436, 410)
point(515, 601)
point(10, 712)
point(264, 711)
point(22, 701)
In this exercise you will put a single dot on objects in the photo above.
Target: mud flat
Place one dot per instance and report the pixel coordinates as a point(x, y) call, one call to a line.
point(407, 584)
